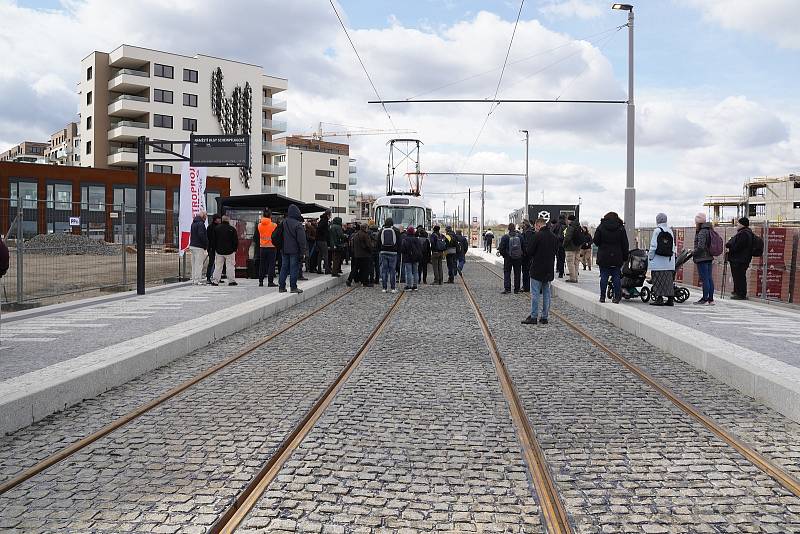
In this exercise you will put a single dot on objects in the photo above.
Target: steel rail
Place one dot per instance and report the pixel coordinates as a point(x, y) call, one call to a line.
point(776, 472)
point(144, 408)
point(553, 510)
point(248, 498)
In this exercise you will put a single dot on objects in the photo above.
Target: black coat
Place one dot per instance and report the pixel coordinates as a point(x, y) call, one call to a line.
point(198, 237)
point(210, 233)
point(226, 240)
point(362, 244)
point(411, 249)
point(612, 243)
point(425, 245)
point(527, 237)
point(322, 229)
point(740, 247)
point(541, 249)
point(4, 258)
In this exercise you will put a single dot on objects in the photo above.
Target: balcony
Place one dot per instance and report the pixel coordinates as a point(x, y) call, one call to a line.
point(129, 81)
point(273, 126)
point(123, 156)
point(128, 106)
point(352, 180)
point(352, 169)
point(275, 105)
point(273, 170)
point(272, 147)
point(127, 131)
point(273, 189)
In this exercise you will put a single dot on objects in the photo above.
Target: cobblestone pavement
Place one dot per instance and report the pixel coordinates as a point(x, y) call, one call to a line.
point(625, 459)
point(175, 468)
point(25, 447)
point(420, 439)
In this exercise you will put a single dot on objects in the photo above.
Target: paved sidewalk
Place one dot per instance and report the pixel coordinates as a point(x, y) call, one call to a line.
point(30, 344)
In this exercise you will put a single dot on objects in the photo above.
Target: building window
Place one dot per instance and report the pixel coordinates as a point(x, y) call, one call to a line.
point(342, 187)
point(190, 125)
point(163, 71)
point(93, 197)
point(190, 100)
point(333, 163)
point(59, 196)
point(189, 75)
point(211, 201)
point(336, 209)
point(155, 200)
point(164, 146)
point(319, 196)
point(327, 174)
point(89, 74)
point(162, 121)
point(797, 205)
point(88, 147)
point(162, 95)
point(88, 123)
point(757, 190)
point(162, 168)
point(89, 98)
point(797, 185)
point(127, 196)
point(757, 210)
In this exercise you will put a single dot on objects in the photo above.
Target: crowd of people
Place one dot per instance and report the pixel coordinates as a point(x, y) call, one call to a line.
point(383, 256)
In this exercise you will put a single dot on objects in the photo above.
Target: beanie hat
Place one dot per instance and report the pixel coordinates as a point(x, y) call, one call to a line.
point(661, 218)
point(744, 221)
point(571, 217)
point(700, 218)
point(411, 230)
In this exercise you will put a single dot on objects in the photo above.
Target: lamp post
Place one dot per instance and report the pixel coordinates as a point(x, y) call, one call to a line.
point(630, 190)
point(527, 143)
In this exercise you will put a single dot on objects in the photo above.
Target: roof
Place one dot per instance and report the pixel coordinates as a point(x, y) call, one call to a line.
point(273, 201)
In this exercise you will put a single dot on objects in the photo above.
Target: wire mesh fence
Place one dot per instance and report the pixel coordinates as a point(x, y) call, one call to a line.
point(63, 250)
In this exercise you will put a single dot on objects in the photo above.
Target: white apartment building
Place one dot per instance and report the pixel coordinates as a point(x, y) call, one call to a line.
point(135, 91)
point(65, 147)
point(26, 152)
point(319, 171)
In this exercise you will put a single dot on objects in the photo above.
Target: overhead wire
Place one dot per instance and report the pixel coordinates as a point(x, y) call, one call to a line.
point(600, 48)
point(375, 89)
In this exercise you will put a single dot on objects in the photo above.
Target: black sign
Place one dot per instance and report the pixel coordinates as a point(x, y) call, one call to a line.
point(551, 212)
point(220, 151)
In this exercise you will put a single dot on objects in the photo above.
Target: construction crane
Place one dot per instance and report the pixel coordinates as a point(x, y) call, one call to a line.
point(320, 133)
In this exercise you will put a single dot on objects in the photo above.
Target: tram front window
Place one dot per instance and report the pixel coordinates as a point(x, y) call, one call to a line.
point(402, 217)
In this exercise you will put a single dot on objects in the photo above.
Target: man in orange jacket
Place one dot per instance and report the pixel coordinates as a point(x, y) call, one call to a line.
point(267, 252)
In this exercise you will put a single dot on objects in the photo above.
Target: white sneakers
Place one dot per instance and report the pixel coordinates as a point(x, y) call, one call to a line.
point(383, 291)
point(394, 291)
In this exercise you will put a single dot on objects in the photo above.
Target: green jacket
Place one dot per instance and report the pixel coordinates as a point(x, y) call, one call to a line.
point(335, 233)
point(573, 227)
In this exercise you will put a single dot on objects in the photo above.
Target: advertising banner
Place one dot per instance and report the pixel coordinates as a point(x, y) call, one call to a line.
point(192, 198)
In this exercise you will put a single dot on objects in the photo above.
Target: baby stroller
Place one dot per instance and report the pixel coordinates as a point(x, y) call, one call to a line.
point(634, 273)
point(681, 293)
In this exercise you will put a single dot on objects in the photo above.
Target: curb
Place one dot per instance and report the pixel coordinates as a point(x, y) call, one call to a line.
point(770, 381)
point(33, 396)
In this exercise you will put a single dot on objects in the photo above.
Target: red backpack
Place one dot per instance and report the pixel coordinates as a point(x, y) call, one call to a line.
point(715, 245)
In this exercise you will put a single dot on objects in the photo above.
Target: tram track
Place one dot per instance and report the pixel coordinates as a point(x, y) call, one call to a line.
point(773, 470)
point(139, 411)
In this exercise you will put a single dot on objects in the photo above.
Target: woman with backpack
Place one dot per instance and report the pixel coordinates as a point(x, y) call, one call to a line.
point(662, 263)
point(703, 257)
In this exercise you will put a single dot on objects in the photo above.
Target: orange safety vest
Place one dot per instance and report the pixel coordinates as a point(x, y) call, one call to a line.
point(265, 229)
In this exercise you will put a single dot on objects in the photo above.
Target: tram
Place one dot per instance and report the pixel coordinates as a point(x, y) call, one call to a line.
point(405, 207)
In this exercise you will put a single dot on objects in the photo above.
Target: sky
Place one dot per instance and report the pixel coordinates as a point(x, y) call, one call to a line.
point(715, 86)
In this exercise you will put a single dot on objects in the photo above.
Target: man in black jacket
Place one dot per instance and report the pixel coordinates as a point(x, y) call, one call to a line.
point(512, 250)
point(541, 249)
point(740, 254)
point(322, 243)
point(612, 252)
point(226, 242)
point(198, 243)
point(561, 255)
point(528, 234)
point(212, 254)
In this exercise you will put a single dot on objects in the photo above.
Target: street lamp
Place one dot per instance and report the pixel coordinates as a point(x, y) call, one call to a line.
point(630, 190)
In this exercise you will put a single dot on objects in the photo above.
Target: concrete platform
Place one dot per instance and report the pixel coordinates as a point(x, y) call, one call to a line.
point(753, 347)
point(58, 357)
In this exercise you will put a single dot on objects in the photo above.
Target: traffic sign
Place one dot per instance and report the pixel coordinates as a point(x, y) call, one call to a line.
point(219, 151)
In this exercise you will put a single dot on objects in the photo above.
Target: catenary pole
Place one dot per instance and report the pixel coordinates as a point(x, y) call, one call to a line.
point(141, 171)
point(630, 189)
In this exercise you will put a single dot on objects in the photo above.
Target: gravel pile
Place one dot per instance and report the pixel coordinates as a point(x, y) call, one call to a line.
point(61, 244)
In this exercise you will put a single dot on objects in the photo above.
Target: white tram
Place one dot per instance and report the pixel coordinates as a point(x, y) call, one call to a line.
point(404, 209)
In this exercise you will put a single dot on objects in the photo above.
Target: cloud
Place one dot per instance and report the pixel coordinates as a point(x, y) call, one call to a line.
point(775, 20)
point(582, 9)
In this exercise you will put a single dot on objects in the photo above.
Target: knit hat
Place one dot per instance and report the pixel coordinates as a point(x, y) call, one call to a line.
point(700, 218)
point(744, 221)
point(411, 230)
point(661, 218)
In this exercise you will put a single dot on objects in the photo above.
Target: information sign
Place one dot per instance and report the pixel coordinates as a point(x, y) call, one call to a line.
point(74, 221)
point(219, 151)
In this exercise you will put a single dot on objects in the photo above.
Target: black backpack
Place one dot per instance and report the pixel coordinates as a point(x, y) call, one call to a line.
point(388, 241)
point(664, 244)
point(757, 248)
point(515, 247)
point(277, 237)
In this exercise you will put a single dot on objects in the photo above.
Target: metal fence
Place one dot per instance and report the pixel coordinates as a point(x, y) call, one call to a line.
point(780, 262)
point(60, 249)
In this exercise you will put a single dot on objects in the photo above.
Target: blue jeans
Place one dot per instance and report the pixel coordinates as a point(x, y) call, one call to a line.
point(706, 269)
point(388, 264)
point(461, 261)
point(614, 273)
point(544, 288)
point(290, 266)
point(411, 274)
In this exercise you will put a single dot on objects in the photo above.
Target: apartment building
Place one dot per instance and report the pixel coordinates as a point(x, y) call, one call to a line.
point(318, 171)
point(133, 91)
point(65, 147)
point(26, 152)
point(773, 198)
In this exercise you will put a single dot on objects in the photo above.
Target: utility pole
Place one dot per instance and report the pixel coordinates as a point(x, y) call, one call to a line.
point(630, 189)
point(483, 198)
point(527, 143)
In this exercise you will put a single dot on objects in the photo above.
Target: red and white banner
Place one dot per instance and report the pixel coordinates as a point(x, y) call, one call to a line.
point(192, 197)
